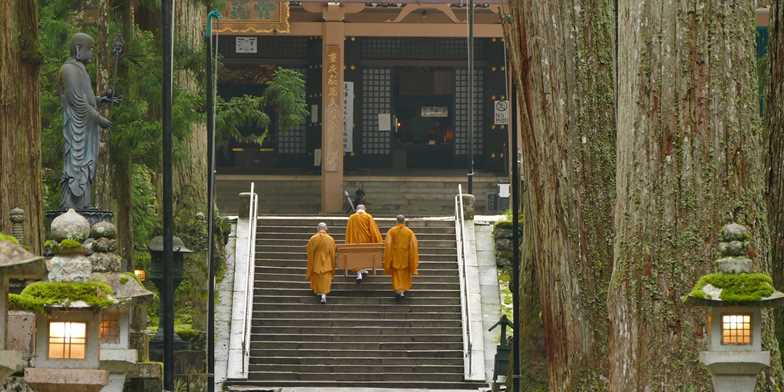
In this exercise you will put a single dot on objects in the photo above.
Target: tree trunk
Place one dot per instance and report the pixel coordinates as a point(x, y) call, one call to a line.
point(104, 195)
point(775, 120)
point(190, 169)
point(690, 153)
point(565, 77)
point(20, 124)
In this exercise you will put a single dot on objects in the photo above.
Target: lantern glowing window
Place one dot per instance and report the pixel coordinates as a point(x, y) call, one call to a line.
point(67, 340)
point(140, 274)
point(736, 329)
point(110, 330)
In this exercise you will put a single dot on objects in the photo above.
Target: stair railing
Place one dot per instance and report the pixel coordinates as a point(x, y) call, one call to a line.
point(252, 227)
point(461, 261)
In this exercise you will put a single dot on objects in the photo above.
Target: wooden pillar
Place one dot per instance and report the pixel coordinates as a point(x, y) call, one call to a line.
point(332, 112)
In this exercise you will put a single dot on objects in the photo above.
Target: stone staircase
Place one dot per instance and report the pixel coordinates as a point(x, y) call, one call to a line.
point(362, 337)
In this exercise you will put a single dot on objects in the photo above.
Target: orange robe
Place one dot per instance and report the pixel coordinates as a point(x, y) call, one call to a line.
point(321, 262)
point(401, 257)
point(362, 229)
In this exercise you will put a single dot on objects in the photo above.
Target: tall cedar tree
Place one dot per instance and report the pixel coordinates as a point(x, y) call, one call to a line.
point(690, 158)
point(566, 95)
point(20, 120)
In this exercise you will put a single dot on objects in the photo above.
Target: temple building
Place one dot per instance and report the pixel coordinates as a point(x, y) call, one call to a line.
point(387, 91)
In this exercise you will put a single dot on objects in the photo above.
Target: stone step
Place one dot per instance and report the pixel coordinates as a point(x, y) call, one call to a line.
point(357, 314)
point(348, 322)
point(299, 270)
point(339, 282)
point(349, 339)
point(264, 386)
point(354, 361)
point(405, 307)
point(259, 297)
point(302, 242)
point(301, 250)
point(355, 330)
point(338, 222)
point(340, 237)
point(388, 347)
point(351, 352)
point(370, 367)
point(273, 256)
point(360, 376)
point(422, 278)
point(359, 291)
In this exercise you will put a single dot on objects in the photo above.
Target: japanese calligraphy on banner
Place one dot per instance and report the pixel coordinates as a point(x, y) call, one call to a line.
point(254, 16)
point(333, 123)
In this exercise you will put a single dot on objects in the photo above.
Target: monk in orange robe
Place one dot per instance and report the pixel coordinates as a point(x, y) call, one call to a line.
point(401, 256)
point(321, 262)
point(362, 229)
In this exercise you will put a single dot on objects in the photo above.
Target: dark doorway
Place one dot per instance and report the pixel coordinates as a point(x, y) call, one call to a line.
point(424, 136)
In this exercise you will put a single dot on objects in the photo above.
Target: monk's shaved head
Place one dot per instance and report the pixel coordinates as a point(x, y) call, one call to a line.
point(361, 207)
point(322, 226)
point(401, 219)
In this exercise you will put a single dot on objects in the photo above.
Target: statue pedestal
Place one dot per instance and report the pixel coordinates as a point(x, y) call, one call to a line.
point(93, 215)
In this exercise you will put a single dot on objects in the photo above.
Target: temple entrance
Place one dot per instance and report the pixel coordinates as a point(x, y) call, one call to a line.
point(424, 107)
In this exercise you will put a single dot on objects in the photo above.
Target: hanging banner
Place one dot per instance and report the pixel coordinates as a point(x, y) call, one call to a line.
point(333, 124)
point(348, 117)
point(254, 16)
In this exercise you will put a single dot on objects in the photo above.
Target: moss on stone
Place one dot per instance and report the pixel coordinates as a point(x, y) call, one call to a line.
point(70, 247)
point(37, 296)
point(736, 288)
point(9, 238)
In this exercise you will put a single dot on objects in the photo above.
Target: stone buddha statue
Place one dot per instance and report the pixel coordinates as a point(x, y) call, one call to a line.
point(81, 122)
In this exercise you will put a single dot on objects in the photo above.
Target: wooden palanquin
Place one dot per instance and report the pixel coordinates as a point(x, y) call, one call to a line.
point(359, 256)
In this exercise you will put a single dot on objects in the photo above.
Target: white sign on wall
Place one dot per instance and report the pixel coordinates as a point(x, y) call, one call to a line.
point(246, 45)
point(384, 122)
point(501, 112)
point(348, 116)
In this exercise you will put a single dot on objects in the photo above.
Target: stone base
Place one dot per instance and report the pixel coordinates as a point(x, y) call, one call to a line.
point(733, 371)
point(93, 215)
point(118, 355)
point(156, 346)
point(145, 377)
point(66, 380)
point(10, 363)
point(116, 383)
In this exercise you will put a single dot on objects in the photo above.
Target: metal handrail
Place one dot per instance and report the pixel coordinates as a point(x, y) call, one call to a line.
point(461, 252)
point(252, 222)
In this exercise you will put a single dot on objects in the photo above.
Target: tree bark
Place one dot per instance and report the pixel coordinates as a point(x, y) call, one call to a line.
point(20, 124)
point(774, 111)
point(566, 95)
point(690, 151)
point(190, 169)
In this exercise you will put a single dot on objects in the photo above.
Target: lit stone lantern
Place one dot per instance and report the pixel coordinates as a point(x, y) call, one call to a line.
point(734, 297)
point(17, 263)
point(68, 315)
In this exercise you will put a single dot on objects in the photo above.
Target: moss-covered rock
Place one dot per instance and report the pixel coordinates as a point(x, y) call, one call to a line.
point(37, 296)
point(734, 288)
point(9, 238)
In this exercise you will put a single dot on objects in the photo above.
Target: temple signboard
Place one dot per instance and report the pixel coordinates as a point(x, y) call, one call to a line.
point(333, 109)
point(254, 17)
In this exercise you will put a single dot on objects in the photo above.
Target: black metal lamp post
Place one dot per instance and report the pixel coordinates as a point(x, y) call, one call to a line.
point(167, 301)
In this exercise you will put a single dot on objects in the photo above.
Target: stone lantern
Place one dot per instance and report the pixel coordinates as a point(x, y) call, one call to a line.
point(156, 276)
point(18, 263)
point(735, 297)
